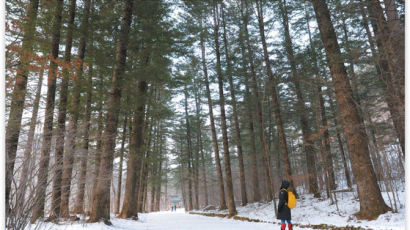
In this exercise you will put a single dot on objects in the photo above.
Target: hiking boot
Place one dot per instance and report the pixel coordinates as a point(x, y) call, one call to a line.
point(290, 227)
point(283, 227)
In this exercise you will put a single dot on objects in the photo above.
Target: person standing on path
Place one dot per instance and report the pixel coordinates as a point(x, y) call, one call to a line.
point(284, 214)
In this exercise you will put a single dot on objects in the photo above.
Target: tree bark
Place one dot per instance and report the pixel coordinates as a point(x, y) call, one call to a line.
point(101, 200)
point(42, 178)
point(249, 104)
point(222, 203)
point(124, 134)
point(361, 107)
point(21, 191)
point(19, 93)
point(189, 157)
point(235, 115)
point(340, 143)
point(135, 155)
point(153, 186)
point(73, 119)
point(144, 163)
point(396, 39)
point(300, 107)
point(100, 127)
point(259, 109)
point(62, 111)
point(371, 200)
point(389, 71)
point(196, 180)
point(259, 106)
point(227, 161)
point(79, 202)
point(201, 148)
point(325, 139)
point(159, 176)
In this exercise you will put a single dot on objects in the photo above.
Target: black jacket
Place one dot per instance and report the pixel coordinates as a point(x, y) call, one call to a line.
point(283, 209)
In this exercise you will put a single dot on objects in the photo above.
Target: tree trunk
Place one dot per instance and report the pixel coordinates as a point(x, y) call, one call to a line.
point(159, 176)
point(21, 190)
point(318, 110)
point(325, 139)
point(124, 134)
point(300, 107)
point(227, 161)
point(371, 200)
point(222, 203)
point(388, 62)
point(259, 108)
point(362, 110)
point(73, 119)
point(259, 105)
point(142, 190)
point(189, 145)
point(181, 175)
point(340, 143)
point(235, 115)
point(249, 104)
point(42, 178)
point(62, 111)
point(79, 202)
point(100, 127)
point(101, 200)
point(145, 195)
point(345, 167)
point(196, 178)
point(143, 186)
point(382, 69)
point(135, 155)
point(396, 39)
point(166, 186)
point(19, 93)
point(201, 148)
point(153, 187)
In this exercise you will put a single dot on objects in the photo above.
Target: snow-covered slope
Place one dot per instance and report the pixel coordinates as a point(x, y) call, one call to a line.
point(313, 211)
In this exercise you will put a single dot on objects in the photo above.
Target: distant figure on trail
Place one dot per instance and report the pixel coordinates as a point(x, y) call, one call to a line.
point(283, 209)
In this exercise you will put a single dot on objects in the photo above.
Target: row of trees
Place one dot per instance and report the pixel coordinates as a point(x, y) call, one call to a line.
point(308, 91)
point(117, 80)
point(307, 102)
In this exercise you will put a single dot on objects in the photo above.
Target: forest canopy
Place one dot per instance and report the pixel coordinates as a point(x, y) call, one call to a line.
point(112, 106)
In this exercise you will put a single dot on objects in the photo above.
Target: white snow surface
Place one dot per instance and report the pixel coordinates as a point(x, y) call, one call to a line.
point(313, 211)
point(308, 211)
point(164, 220)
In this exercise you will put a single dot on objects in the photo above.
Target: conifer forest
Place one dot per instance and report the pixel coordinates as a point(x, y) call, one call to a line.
point(117, 111)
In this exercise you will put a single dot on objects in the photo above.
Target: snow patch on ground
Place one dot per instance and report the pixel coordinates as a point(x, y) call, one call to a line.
point(310, 210)
point(165, 220)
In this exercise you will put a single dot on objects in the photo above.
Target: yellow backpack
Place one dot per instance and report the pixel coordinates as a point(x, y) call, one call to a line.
point(291, 199)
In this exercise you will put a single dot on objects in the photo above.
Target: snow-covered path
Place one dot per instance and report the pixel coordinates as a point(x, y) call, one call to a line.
point(167, 220)
point(182, 221)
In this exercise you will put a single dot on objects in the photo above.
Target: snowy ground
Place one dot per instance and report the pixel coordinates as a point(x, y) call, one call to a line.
point(312, 211)
point(166, 220)
point(309, 211)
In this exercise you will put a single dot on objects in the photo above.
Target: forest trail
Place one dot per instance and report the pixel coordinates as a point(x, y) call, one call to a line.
point(180, 221)
point(167, 220)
